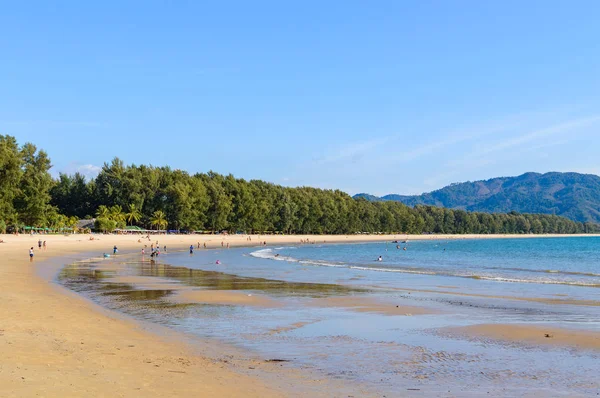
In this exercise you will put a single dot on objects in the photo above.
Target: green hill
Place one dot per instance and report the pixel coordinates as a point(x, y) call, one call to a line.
point(572, 195)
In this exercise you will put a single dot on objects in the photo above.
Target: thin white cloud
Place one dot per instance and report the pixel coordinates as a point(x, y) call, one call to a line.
point(352, 152)
point(454, 137)
point(89, 171)
point(539, 134)
point(512, 144)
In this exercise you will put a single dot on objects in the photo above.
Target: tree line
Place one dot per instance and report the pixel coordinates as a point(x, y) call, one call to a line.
point(163, 198)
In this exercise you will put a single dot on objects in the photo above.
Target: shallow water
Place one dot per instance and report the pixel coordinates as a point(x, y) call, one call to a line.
point(386, 354)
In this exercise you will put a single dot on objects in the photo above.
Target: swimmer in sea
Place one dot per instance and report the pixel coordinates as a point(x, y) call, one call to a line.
point(380, 258)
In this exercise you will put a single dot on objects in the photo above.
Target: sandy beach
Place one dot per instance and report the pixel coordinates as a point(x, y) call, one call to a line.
point(56, 344)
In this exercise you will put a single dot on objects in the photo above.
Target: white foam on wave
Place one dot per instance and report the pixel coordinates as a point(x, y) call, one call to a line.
point(399, 270)
point(271, 255)
point(537, 281)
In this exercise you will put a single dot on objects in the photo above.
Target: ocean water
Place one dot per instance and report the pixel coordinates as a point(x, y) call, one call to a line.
point(563, 261)
point(469, 282)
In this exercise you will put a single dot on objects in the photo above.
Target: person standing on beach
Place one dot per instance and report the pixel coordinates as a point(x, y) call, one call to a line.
point(44, 245)
point(31, 254)
point(191, 249)
point(115, 250)
point(39, 244)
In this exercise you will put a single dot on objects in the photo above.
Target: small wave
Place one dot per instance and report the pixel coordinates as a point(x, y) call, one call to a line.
point(400, 270)
point(269, 254)
point(322, 263)
point(537, 281)
point(545, 271)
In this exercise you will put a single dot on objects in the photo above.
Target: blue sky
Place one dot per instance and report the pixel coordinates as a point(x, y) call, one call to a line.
point(380, 97)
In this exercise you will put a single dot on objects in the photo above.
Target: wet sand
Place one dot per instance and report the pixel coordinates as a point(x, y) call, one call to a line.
point(370, 304)
point(146, 282)
point(223, 297)
point(541, 300)
point(534, 335)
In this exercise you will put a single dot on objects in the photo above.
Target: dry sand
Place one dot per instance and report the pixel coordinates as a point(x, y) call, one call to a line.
point(56, 344)
point(535, 335)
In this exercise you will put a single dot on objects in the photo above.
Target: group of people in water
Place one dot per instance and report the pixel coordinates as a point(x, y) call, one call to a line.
point(41, 246)
point(380, 258)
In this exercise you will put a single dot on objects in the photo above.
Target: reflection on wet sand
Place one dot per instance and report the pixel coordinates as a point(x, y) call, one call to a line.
point(224, 297)
point(341, 332)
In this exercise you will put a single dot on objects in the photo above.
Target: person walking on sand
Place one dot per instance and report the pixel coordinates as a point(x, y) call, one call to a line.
point(44, 245)
point(39, 244)
point(115, 250)
point(31, 254)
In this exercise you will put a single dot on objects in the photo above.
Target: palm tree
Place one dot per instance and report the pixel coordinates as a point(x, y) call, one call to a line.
point(102, 212)
point(158, 219)
point(72, 223)
point(134, 214)
point(116, 213)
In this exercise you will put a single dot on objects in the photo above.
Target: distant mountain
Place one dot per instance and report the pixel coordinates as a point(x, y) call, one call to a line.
point(572, 195)
point(370, 198)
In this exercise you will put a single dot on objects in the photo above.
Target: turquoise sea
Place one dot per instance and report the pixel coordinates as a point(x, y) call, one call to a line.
point(547, 282)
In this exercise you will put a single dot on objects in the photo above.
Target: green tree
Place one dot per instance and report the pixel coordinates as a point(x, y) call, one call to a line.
point(103, 212)
point(134, 214)
point(158, 220)
point(10, 177)
point(33, 199)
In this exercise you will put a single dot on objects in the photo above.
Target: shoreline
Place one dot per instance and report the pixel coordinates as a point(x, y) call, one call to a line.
point(62, 345)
